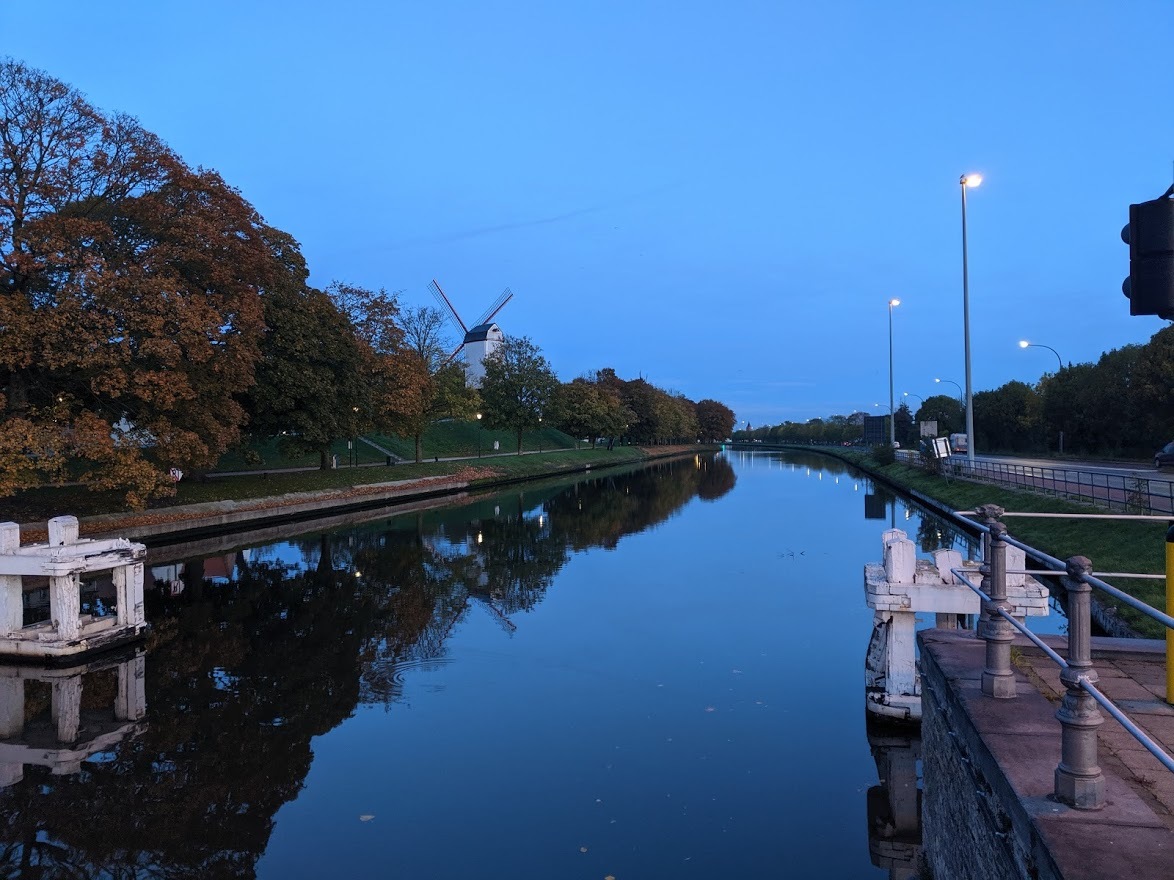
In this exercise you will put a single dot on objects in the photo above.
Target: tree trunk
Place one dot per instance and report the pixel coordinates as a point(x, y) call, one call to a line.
point(322, 463)
point(419, 448)
point(519, 441)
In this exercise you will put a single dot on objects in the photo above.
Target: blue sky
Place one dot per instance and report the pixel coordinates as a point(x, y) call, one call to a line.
point(720, 198)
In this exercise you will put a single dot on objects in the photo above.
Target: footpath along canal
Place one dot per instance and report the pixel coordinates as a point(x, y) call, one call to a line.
point(655, 673)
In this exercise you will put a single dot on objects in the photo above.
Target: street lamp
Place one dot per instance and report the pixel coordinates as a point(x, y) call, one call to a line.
point(967, 181)
point(1023, 343)
point(540, 433)
point(478, 435)
point(892, 421)
point(956, 385)
point(918, 396)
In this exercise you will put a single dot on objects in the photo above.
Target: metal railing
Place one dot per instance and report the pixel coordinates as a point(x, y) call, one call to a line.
point(1111, 491)
point(1079, 781)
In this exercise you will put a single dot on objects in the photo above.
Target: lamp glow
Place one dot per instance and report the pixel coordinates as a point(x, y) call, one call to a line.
point(971, 180)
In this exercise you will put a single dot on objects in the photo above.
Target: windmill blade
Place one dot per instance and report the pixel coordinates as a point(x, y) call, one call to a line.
point(498, 304)
point(453, 356)
point(446, 306)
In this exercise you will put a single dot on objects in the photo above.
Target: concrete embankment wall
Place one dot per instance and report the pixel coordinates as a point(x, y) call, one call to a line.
point(216, 517)
point(988, 765)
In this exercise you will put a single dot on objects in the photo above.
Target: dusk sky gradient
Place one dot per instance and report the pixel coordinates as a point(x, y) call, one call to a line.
point(720, 198)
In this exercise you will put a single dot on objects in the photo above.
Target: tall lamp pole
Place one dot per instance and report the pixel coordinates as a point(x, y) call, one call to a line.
point(478, 435)
point(967, 181)
point(1023, 343)
point(892, 417)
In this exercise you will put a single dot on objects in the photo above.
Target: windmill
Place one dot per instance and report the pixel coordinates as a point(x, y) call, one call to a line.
point(479, 341)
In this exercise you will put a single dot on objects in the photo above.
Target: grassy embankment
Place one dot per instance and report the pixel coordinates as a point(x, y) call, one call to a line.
point(445, 439)
point(1112, 545)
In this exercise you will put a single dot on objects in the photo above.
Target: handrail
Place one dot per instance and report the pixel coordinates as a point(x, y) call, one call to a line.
point(1061, 567)
point(1140, 735)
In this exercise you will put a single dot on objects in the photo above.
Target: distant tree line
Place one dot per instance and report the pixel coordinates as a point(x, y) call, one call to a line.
point(150, 319)
point(1121, 405)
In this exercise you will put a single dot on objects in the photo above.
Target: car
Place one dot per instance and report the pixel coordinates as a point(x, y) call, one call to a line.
point(1164, 456)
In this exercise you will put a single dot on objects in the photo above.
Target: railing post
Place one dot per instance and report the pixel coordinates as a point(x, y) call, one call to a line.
point(1079, 781)
point(997, 678)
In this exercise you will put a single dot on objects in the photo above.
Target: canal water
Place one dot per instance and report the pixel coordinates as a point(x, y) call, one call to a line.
point(646, 674)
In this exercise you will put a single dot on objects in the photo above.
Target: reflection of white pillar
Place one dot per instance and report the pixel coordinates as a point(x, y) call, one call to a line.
point(11, 594)
point(67, 707)
point(11, 707)
point(132, 691)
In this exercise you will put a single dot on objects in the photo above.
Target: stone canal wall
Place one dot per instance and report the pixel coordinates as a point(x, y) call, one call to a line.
point(988, 769)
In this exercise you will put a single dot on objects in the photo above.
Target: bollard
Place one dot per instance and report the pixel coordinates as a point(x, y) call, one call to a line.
point(1170, 611)
point(997, 678)
point(1079, 780)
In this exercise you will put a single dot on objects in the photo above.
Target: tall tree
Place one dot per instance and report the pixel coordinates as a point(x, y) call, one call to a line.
point(310, 380)
point(715, 421)
point(518, 387)
point(130, 311)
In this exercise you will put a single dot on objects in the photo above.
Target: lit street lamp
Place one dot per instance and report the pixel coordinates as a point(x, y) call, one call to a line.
point(967, 181)
point(892, 421)
point(478, 435)
point(956, 385)
point(918, 396)
point(1023, 343)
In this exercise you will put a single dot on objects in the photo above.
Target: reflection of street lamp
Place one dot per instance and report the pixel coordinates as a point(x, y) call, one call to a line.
point(892, 421)
point(478, 435)
point(1023, 343)
point(967, 180)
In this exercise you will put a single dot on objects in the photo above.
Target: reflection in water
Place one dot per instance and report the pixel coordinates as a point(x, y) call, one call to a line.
point(58, 717)
point(894, 806)
point(254, 653)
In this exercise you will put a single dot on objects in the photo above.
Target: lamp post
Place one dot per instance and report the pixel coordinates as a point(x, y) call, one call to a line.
point(967, 181)
point(1023, 343)
point(540, 434)
point(956, 385)
point(918, 396)
point(478, 435)
point(892, 420)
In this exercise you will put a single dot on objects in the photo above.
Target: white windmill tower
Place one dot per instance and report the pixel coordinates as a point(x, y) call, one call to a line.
point(480, 340)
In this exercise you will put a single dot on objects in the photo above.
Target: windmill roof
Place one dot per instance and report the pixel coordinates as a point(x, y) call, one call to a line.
point(481, 332)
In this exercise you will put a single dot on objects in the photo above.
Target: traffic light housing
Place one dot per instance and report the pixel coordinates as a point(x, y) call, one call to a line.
point(1150, 236)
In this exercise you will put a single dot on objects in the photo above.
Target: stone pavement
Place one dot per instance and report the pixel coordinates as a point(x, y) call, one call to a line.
point(1132, 673)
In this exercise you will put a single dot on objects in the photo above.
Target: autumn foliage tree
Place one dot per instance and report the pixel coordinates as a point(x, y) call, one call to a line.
point(130, 307)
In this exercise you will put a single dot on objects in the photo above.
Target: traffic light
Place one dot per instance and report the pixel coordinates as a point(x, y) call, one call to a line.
point(1150, 236)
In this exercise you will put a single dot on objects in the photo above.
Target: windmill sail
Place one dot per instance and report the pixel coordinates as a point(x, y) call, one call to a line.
point(498, 304)
point(446, 306)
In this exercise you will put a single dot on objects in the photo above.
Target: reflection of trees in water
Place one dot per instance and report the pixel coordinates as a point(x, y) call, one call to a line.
point(241, 675)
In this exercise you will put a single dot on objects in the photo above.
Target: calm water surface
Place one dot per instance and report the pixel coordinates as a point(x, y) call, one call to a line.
point(642, 675)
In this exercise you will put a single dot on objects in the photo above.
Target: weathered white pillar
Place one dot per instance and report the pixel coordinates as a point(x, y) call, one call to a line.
point(128, 593)
point(66, 707)
point(11, 707)
point(63, 530)
point(901, 669)
point(11, 588)
point(65, 605)
point(900, 560)
point(10, 774)
point(132, 692)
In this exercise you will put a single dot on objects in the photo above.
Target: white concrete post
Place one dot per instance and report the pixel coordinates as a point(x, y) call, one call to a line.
point(128, 593)
point(65, 606)
point(63, 530)
point(900, 561)
point(11, 586)
point(67, 707)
